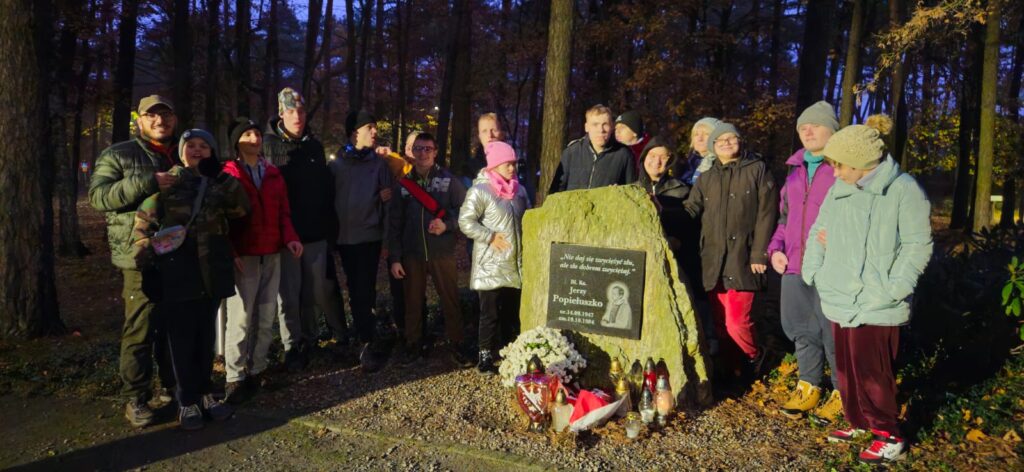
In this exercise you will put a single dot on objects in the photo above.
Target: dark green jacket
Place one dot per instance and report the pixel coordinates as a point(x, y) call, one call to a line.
point(122, 179)
point(206, 268)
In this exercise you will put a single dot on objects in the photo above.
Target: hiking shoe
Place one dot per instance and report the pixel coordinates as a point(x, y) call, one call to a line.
point(459, 357)
point(293, 360)
point(803, 399)
point(236, 392)
point(190, 418)
point(485, 365)
point(830, 411)
point(216, 410)
point(885, 447)
point(845, 435)
point(139, 414)
point(368, 360)
point(408, 355)
point(165, 395)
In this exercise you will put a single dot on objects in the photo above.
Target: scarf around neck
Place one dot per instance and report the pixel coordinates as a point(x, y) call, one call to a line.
point(504, 189)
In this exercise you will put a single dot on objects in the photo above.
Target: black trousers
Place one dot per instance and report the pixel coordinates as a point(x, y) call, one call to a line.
point(499, 317)
point(190, 338)
point(360, 261)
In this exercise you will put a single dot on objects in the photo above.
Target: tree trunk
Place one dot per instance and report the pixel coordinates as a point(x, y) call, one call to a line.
point(325, 56)
point(378, 59)
point(67, 172)
point(776, 46)
point(814, 52)
point(535, 126)
point(1013, 111)
point(350, 59)
point(899, 99)
point(124, 75)
point(987, 128)
point(851, 70)
point(556, 92)
point(243, 72)
point(212, 65)
point(364, 18)
point(312, 32)
point(271, 71)
point(448, 82)
point(461, 119)
point(181, 41)
point(24, 308)
point(968, 100)
point(402, 53)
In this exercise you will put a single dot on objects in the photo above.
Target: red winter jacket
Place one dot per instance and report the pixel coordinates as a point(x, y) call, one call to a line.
point(269, 226)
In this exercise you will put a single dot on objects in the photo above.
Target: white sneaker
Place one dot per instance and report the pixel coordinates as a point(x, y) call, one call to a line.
point(885, 447)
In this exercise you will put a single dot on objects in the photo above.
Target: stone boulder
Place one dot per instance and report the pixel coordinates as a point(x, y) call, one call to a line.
point(619, 217)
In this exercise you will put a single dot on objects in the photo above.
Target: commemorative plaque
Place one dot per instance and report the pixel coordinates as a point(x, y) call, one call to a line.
point(596, 290)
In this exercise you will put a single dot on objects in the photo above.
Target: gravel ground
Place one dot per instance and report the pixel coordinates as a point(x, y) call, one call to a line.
point(444, 410)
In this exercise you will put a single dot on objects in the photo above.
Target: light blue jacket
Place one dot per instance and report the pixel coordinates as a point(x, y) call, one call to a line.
point(878, 242)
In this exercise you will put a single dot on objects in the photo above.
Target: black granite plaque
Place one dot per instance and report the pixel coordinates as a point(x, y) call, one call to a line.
point(596, 290)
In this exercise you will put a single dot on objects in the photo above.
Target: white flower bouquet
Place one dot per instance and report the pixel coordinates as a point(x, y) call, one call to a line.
point(558, 355)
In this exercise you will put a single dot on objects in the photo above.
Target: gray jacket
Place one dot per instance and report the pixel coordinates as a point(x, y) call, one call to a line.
point(359, 177)
point(483, 214)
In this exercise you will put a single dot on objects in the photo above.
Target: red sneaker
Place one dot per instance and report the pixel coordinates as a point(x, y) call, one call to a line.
point(885, 447)
point(846, 435)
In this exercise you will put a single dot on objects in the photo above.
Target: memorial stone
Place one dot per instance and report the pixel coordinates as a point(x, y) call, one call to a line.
point(596, 265)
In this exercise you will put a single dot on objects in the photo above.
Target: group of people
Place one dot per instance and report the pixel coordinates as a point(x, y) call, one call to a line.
point(848, 231)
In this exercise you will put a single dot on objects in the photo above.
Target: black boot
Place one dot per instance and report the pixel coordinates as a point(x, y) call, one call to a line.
point(485, 365)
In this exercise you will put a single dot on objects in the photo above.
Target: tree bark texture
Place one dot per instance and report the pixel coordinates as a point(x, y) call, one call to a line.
point(987, 128)
point(181, 39)
point(968, 100)
point(124, 75)
point(814, 52)
point(851, 71)
point(22, 313)
point(243, 70)
point(556, 92)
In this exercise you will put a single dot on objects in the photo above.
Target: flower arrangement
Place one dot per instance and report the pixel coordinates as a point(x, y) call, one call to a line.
point(558, 355)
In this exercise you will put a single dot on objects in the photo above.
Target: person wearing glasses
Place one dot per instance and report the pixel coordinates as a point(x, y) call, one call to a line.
point(127, 173)
point(736, 202)
point(423, 220)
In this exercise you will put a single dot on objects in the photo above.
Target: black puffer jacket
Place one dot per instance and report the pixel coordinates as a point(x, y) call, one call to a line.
point(310, 186)
point(737, 204)
point(582, 168)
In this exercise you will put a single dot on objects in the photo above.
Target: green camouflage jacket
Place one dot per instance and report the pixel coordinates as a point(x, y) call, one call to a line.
point(206, 252)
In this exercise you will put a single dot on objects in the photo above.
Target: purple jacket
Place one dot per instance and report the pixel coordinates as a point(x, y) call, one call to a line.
point(798, 208)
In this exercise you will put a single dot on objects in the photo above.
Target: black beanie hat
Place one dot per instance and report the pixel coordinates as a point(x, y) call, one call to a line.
point(356, 120)
point(242, 124)
point(632, 119)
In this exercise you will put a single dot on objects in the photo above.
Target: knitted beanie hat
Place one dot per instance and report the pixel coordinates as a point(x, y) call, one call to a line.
point(498, 153)
point(857, 146)
point(242, 125)
point(356, 120)
point(288, 99)
point(196, 133)
point(632, 121)
point(720, 129)
point(821, 113)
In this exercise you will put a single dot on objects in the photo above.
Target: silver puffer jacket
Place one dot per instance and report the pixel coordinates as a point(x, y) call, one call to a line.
point(483, 213)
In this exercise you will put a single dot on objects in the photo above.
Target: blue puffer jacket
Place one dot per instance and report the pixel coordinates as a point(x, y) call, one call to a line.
point(878, 243)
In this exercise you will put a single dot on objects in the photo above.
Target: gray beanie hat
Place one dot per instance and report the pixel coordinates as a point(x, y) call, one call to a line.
point(821, 113)
point(707, 121)
point(857, 146)
point(720, 129)
point(196, 133)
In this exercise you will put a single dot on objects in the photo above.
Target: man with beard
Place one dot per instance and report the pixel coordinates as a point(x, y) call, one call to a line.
point(126, 174)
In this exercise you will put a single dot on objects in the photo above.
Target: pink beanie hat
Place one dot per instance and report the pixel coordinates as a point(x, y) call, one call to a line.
point(498, 152)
